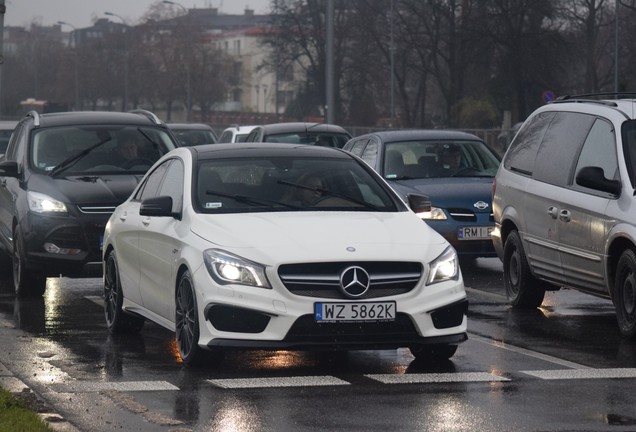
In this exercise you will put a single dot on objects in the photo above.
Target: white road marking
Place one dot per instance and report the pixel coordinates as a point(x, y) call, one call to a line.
point(98, 386)
point(436, 378)
point(302, 381)
point(583, 373)
point(529, 353)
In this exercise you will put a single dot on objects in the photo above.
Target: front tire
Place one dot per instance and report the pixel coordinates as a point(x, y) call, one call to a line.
point(624, 295)
point(187, 322)
point(117, 321)
point(523, 290)
point(26, 283)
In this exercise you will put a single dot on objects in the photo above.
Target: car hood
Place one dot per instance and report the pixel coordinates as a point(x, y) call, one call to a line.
point(94, 189)
point(451, 192)
point(322, 236)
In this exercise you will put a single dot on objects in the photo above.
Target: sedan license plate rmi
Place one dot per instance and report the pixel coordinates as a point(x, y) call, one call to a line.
point(355, 311)
point(475, 233)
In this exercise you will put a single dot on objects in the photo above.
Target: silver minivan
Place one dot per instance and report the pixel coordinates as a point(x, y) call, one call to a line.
point(564, 205)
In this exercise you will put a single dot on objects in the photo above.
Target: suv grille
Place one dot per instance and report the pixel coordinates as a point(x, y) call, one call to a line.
point(97, 209)
point(323, 279)
point(465, 215)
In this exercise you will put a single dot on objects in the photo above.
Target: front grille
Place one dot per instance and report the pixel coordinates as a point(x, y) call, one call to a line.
point(466, 215)
point(322, 280)
point(96, 209)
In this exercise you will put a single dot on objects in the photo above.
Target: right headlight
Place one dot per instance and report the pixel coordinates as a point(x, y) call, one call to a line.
point(436, 213)
point(444, 267)
point(226, 268)
point(40, 203)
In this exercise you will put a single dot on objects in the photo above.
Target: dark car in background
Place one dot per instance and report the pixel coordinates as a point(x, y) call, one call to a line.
point(454, 169)
point(6, 129)
point(192, 134)
point(325, 135)
point(61, 178)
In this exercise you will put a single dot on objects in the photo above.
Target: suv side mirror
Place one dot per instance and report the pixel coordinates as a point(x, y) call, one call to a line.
point(419, 203)
point(157, 206)
point(594, 178)
point(9, 169)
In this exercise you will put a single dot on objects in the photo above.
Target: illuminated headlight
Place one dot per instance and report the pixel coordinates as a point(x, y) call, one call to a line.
point(444, 267)
point(40, 203)
point(226, 268)
point(435, 214)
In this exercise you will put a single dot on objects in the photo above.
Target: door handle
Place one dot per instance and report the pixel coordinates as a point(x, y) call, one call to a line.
point(565, 216)
point(553, 212)
point(123, 217)
point(145, 221)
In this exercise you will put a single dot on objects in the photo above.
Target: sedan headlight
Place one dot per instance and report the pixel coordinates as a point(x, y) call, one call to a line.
point(444, 267)
point(226, 268)
point(40, 203)
point(436, 213)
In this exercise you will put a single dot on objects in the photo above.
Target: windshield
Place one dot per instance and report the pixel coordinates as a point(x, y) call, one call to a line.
point(325, 139)
point(433, 159)
point(194, 137)
point(80, 150)
point(288, 184)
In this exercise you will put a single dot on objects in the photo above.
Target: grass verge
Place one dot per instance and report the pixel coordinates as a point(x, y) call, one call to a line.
point(16, 416)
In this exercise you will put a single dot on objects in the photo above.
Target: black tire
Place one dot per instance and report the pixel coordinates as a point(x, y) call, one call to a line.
point(117, 321)
point(523, 290)
point(624, 294)
point(187, 322)
point(433, 353)
point(26, 283)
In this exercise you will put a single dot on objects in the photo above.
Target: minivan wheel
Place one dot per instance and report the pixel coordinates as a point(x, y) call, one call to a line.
point(624, 295)
point(523, 290)
point(26, 283)
point(117, 321)
point(187, 322)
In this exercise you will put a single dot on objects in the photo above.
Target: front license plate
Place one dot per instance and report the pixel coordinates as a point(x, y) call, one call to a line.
point(475, 233)
point(368, 311)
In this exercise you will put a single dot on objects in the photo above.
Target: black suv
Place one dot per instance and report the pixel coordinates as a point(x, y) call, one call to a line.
point(61, 178)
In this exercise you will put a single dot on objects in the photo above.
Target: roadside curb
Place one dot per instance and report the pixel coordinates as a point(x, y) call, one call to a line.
point(35, 402)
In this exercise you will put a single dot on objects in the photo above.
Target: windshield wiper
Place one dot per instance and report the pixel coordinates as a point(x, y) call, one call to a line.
point(249, 200)
point(72, 160)
point(331, 193)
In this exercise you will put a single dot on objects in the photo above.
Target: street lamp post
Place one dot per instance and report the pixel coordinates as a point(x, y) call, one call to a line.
point(188, 78)
point(125, 102)
point(74, 33)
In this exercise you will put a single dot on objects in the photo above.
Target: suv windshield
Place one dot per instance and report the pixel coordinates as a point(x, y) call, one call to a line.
point(97, 149)
point(288, 184)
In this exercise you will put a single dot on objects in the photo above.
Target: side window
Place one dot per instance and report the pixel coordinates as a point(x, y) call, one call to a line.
point(152, 182)
point(522, 152)
point(370, 153)
point(252, 136)
point(599, 150)
point(172, 185)
point(358, 146)
point(560, 147)
point(226, 137)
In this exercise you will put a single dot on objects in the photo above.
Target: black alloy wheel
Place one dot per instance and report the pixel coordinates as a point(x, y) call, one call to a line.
point(117, 321)
point(523, 290)
point(27, 283)
point(624, 295)
point(187, 322)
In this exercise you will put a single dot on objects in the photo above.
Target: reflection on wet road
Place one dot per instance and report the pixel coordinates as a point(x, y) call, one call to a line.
point(561, 367)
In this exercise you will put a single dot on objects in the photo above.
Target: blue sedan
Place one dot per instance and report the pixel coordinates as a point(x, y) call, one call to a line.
point(455, 169)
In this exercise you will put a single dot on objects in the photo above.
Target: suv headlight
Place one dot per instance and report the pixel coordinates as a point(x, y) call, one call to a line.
point(40, 203)
point(226, 268)
point(444, 267)
point(436, 213)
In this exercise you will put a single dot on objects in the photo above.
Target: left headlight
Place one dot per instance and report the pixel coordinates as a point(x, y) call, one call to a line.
point(226, 268)
point(444, 267)
point(40, 203)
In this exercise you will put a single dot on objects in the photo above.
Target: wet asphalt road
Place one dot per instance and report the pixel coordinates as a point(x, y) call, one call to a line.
point(561, 368)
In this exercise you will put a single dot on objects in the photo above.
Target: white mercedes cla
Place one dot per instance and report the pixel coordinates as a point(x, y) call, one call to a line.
point(280, 246)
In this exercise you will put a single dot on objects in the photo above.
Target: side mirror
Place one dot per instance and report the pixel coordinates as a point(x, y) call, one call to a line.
point(157, 206)
point(594, 178)
point(419, 203)
point(9, 169)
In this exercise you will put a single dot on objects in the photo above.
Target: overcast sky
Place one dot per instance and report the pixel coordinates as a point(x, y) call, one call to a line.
point(81, 13)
